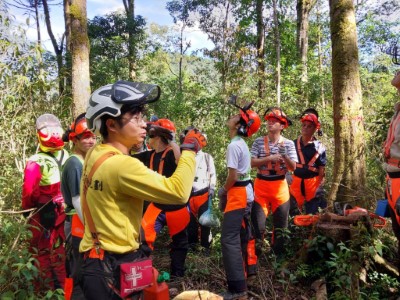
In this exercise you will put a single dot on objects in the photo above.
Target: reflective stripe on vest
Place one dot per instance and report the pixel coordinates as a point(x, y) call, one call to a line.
point(272, 168)
point(302, 163)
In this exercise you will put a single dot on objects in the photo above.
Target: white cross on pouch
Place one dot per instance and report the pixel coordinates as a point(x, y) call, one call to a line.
point(133, 276)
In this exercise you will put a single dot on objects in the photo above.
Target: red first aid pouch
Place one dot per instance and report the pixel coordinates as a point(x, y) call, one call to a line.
point(135, 276)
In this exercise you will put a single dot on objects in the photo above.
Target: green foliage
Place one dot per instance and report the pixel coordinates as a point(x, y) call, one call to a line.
point(18, 267)
point(109, 46)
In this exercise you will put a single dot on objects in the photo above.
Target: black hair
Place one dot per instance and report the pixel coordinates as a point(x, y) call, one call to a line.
point(126, 108)
point(313, 111)
point(310, 111)
point(184, 133)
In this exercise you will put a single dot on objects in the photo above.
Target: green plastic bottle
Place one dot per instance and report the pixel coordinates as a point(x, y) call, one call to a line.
point(159, 289)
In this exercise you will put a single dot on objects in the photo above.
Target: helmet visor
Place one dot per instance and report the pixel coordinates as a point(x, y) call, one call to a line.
point(126, 92)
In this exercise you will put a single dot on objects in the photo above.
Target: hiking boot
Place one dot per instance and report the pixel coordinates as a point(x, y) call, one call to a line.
point(234, 296)
point(252, 281)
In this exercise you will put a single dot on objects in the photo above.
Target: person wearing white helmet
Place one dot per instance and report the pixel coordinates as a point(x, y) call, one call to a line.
point(41, 190)
point(116, 184)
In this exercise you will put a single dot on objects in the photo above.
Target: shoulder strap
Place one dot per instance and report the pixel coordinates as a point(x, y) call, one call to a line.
point(161, 163)
point(58, 162)
point(86, 183)
point(207, 158)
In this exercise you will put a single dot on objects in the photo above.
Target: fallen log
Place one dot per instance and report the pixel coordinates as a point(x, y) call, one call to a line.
point(386, 265)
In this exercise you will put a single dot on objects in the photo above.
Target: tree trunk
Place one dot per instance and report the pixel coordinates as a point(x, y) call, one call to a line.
point(57, 49)
point(349, 172)
point(79, 43)
point(68, 64)
point(39, 39)
point(278, 53)
point(303, 10)
point(130, 15)
point(181, 54)
point(225, 47)
point(320, 58)
point(260, 48)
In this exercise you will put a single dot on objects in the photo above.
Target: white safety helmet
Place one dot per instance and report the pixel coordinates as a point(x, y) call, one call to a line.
point(109, 99)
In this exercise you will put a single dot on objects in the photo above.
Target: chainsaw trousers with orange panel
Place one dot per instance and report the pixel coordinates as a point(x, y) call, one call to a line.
point(177, 221)
point(234, 238)
point(271, 196)
point(304, 191)
point(198, 204)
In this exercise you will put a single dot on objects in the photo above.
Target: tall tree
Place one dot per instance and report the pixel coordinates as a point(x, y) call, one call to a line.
point(303, 8)
point(58, 49)
point(349, 174)
point(129, 6)
point(35, 6)
point(277, 41)
point(181, 12)
point(79, 44)
point(260, 47)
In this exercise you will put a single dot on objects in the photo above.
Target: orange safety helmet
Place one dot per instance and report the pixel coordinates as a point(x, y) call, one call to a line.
point(311, 115)
point(79, 127)
point(250, 121)
point(165, 123)
point(277, 113)
point(49, 133)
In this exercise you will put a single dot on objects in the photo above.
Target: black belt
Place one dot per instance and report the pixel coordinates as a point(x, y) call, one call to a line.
point(242, 183)
point(270, 178)
point(306, 176)
point(199, 192)
point(394, 174)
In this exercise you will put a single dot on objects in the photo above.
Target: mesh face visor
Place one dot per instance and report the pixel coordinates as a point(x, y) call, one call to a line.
point(126, 92)
point(311, 118)
point(277, 113)
point(79, 128)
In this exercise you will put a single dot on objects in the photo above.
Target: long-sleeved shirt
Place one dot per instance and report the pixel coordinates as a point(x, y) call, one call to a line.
point(117, 191)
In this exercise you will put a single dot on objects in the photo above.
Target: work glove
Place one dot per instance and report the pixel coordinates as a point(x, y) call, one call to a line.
point(194, 141)
point(161, 132)
point(223, 198)
point(282, 150)
point(397, 206)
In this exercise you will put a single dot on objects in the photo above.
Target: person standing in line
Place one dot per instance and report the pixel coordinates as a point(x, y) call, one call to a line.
point(203, 189)
point(391, 151)
point(41, 190)
point(163, 158)
point(308, 177)
point(83, 140)
point(114, 185)
point(236, 197)
point(272, 155)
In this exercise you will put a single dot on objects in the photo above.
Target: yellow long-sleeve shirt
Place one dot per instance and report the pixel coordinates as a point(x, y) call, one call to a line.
point(115, 197)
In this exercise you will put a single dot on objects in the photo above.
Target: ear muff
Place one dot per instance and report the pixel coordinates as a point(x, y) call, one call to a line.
point(243, 129)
